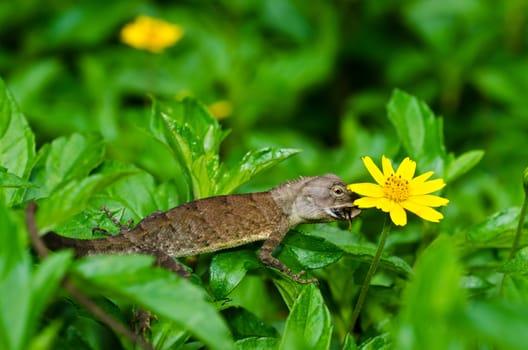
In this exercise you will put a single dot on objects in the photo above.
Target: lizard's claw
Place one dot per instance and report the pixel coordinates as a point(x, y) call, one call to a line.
point(297, 278)
point(141, 322)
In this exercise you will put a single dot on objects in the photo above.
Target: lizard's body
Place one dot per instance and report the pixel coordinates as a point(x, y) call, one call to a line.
point(216, 223)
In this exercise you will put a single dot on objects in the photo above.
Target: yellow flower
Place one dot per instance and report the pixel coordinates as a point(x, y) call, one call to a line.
point(397, 191)
point(151, 34)
point(221, 109)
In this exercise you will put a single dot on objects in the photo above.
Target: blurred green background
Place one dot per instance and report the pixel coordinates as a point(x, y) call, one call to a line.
point(310, 75)
point(315, 76)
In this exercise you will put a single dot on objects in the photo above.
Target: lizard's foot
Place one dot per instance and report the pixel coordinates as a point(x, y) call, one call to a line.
point(141, 322)
point(297, 278)
point(267, 259)
point(101, 230)
point(115, 221)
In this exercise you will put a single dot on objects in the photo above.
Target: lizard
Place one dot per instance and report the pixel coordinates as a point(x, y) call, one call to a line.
point(221, 222)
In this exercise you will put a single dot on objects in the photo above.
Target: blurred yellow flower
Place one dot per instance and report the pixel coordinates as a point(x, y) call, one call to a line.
point(151, 34)
point(397, 191)
point(221, 109)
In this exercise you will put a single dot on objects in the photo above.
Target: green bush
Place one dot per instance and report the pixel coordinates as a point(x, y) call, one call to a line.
point(87, 121)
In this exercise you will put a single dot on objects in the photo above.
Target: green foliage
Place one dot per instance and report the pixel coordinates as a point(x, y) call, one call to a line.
point(421, 135)
point(26, 290)
point(437, 300)
point(308, 325)
point(133, 279)
point(100, 123)
point(193, 137)
point(17, 144)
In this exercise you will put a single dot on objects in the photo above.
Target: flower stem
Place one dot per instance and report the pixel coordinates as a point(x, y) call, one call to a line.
point(372, 270)
point(518, 233)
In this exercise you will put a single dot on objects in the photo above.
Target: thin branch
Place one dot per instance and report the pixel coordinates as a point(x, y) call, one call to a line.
point(81, 298)
point(38, 244)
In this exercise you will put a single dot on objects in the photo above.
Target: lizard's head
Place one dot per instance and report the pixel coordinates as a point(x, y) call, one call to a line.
point(319, 199)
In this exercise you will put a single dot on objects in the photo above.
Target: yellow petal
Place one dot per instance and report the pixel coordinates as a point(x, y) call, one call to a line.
point(388, 170)
point(426, 187)
point(367, 202)
point(406, 169)
point(422, 211)
point(429, 200)
point(385, 204)
point(422, 178)
point(398, 215)
point(366, 189)
point(373, 170)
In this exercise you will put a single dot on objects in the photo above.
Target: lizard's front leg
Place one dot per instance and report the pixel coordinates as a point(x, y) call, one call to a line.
point(267, 258)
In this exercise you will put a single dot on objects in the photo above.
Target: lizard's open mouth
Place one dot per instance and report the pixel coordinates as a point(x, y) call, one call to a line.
point(344, 213)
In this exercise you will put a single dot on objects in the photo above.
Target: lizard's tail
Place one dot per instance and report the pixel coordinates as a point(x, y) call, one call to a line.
point(81, 247)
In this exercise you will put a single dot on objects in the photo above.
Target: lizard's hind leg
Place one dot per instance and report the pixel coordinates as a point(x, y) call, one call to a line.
point(171, 264)
point(115, 221)
point(142, 318)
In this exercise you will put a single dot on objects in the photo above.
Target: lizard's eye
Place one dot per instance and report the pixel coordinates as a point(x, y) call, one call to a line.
point(338, 191)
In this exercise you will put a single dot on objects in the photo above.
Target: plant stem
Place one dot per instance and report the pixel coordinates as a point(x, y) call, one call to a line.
point(516, 238)
point(518, 233)
point(372, 270)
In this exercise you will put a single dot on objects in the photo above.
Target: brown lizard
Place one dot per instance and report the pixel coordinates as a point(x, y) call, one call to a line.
point(216, 223)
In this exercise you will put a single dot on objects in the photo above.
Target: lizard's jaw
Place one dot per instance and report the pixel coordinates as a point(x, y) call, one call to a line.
point(343, 213)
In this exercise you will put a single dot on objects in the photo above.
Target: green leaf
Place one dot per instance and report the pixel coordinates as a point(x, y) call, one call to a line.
point(45, 281)
point(463, 163)
point(253, 163)
point(420, 132)
point(15, 280)
point(193, 136)
point(245, 324)
point(6, 103)
point(349, 343)
point(13, 240)
point(17, 144)
point(497, 230)
point(132, 197)
point(257, 343)
point(63, 160)
point(168, 335)
point(519, 264)
point(11, 180)
point(499, 323)
point(378, 342)
point(288, 289)
point(25, 291)
point(311, 252)
point(15, 306)
point(365, 252)
point(309, 324)
point(432, 300)
point(136, 193)
point(362, 251)
point(71, 199)
point(131, 278)
point(229, 268)
point(515, 287)
point(45, 339)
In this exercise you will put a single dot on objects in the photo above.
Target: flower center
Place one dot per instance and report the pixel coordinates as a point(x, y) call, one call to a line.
point(396, 188)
